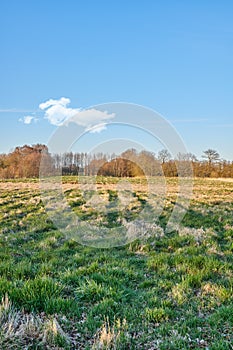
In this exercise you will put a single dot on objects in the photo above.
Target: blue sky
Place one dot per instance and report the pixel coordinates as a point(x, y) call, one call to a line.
point(175, 57)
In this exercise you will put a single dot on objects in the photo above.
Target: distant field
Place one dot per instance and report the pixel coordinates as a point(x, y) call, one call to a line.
point(168, 291)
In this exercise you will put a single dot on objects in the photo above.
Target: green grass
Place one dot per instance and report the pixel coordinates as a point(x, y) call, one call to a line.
point(171, 291)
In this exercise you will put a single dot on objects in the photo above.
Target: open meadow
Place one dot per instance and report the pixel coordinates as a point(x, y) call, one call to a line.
point(168, 291)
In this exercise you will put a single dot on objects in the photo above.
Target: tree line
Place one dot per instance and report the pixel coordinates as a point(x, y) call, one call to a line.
point(24, 162)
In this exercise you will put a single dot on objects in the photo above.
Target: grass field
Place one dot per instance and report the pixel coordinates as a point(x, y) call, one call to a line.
point(169, 291)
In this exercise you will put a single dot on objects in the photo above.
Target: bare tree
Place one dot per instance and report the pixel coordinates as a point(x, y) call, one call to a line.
point(164, 156)
point(186, 157)
point(211, 155)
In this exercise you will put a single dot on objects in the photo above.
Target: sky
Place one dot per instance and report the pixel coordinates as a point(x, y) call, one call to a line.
point(63, 58)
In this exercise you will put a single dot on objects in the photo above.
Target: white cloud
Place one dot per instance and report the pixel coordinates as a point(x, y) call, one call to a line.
point(63, 101)
point(28, 119)
point(56, 111)
point(97, 128)
point(92, 119)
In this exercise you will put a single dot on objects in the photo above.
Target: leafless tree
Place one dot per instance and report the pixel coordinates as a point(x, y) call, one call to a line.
point(211, 155)
point(164, 156)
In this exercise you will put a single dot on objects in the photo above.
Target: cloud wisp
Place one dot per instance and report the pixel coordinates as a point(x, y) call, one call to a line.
point(28, 119)
point(97, 128)
point(15, 110)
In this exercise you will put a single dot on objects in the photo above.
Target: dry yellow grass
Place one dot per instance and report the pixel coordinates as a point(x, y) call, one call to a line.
point(207, 189)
